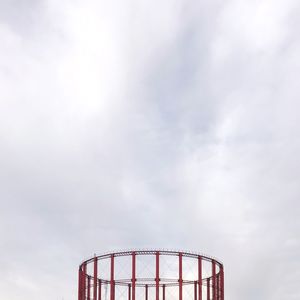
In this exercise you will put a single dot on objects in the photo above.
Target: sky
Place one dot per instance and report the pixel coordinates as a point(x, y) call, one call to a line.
point(137, 123)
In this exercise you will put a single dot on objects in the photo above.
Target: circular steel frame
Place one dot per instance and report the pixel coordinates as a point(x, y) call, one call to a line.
point(206, 287)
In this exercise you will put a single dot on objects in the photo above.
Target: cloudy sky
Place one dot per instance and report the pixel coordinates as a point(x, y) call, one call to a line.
point(149, 124)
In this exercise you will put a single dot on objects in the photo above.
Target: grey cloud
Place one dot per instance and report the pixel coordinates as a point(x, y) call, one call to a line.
point(22, 16)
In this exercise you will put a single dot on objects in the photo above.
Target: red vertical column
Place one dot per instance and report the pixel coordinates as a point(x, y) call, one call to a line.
point(79, 284)
point(112, 275)
point(214, 280)
point(133, 274)
point(222, 282)
point(89, 288)
point(95, 277)
point(199, 278)
point(164, 292)
point(146, 292)
point(83, 282)
point(157, 275)
point(129, 291)
point(195, 290)
point(180, 276)
point(99, 289)
point(218, 286)
point(208, 289)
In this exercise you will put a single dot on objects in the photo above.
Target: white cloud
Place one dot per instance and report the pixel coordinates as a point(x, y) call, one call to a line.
point(129, 124)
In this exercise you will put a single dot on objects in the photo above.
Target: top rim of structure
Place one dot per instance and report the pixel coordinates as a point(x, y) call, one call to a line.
point(145, 251)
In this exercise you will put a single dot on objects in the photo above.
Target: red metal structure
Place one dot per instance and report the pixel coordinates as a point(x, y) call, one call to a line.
point(151, 275)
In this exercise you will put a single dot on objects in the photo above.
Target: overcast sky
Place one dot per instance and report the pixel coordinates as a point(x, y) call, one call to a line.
point(149, 124)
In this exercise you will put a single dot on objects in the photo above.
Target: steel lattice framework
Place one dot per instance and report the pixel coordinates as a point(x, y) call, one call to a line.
point(151, 275)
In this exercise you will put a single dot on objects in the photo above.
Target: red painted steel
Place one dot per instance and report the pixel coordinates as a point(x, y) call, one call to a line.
point(208, 288)
point(112, 269)
point(91, 280)
point(99, 289)
point(214, 280)
point(84, 281)
point(79, 284)
point(180, 276)
point(95, 277)
point(133, 279)
point(199, 278)
point(222, 283)
point(89, 288)
point(218, 286)
point(157, 275)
